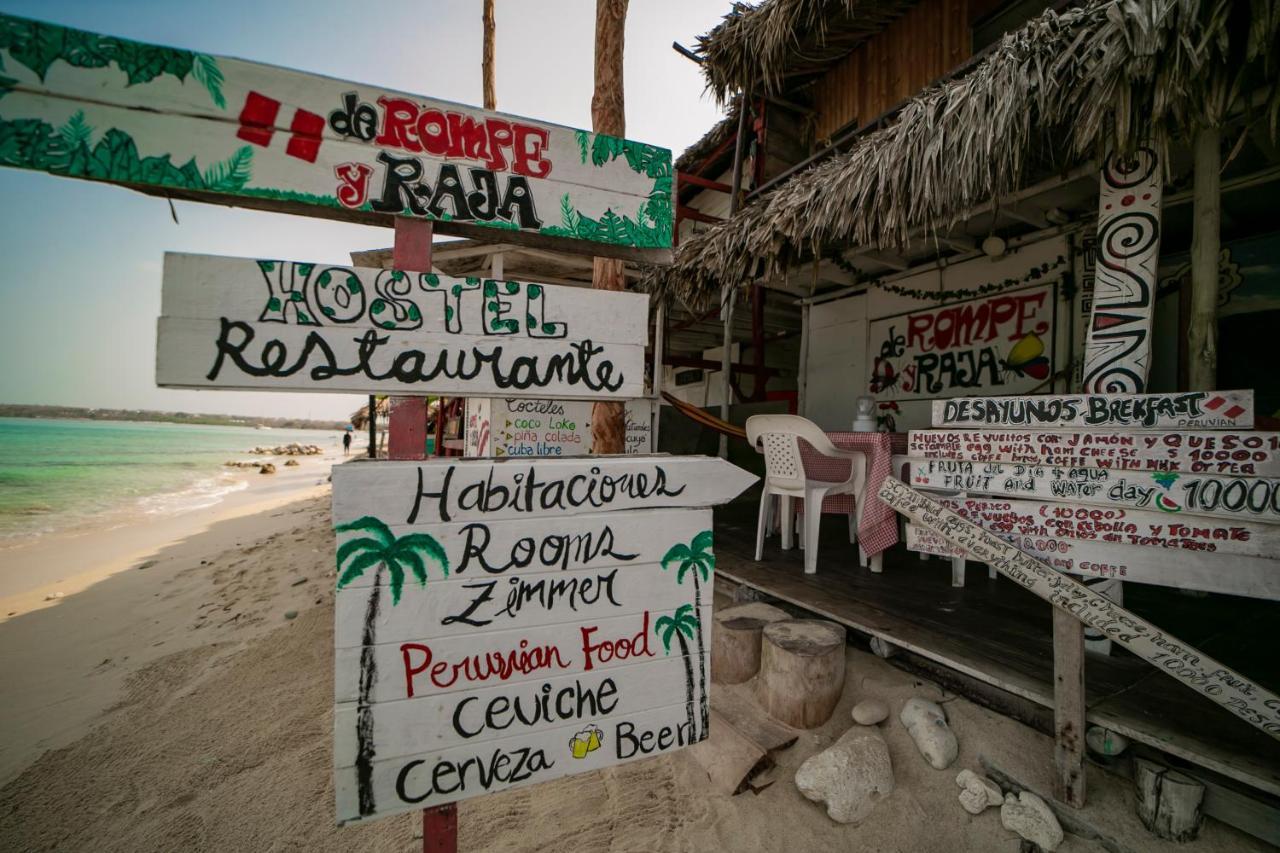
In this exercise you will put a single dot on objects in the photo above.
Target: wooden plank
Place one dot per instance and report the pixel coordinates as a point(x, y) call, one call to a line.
point(1252, 498)
point(476, 551)
point(1068, 709)
point(1254, 454)
point(225, 130)
point(1117, 349)
point(448, 607)
point(1255, 577)
point(240, 355)
point(441, 721)
point(338, 296)
point(752, 722)
point(486, 490)
point(1149, 529)
point(1243, 697)
point(1189, 409)
point(412, 782)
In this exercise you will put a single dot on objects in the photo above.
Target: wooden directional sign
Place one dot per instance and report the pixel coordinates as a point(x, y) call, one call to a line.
point(1255, 454)
point(1190, 409)
point(237, 323)
point(188, 125)
point(1255, 498)
point(1233, 691)
point(1038, 520)
point(1256, 577)
point(505, 622)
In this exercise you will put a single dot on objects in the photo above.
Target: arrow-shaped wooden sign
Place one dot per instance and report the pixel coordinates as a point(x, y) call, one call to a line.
point(189, 125)
point(1242, 696)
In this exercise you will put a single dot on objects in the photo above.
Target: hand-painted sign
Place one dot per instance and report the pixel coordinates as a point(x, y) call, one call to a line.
point(1255, 498)
point(1189, 409)
point(279, 325)
point(189, 125)
point(1001, 343)
point(502, 623)
point(506, 427)
point(1115, 526)
point(1256, 577)
point(1233, 453)
point(1118, 348)
point(1243, 697)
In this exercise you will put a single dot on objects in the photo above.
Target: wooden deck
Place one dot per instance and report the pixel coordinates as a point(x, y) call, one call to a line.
point(1000, 634)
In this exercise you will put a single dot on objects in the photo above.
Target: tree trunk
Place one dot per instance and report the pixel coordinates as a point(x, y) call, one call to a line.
point(608, 421)
point(702, 653)
point(688, 684)
point(486, 61)
point(364, 713)
point(801, 671)
point(1202, 330)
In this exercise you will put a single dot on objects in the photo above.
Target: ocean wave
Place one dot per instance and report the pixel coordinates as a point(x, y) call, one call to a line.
point(203, 493)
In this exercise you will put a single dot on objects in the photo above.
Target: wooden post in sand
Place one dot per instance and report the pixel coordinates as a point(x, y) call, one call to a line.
point(1169, 802)
point(801, 671)
point(735, 642)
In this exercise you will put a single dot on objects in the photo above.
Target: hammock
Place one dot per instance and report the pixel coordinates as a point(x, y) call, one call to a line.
point(705, 419)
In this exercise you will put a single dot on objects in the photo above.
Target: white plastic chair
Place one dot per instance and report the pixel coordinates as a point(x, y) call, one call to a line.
point(778, 438)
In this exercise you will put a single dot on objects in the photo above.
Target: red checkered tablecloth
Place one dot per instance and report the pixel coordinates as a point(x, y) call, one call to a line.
point(878, 527)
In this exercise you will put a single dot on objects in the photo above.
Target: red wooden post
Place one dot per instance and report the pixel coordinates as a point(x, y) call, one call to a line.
point(440, 829)
point(407, 422)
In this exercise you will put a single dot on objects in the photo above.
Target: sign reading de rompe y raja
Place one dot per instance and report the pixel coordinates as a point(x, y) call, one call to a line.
point(501, 622)
point(189, 125)
point(270, 325)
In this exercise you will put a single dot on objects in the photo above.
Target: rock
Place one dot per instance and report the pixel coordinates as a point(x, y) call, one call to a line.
point(1028, 816)
point(291, 614)
point(979, 792)
point(927, 725)
point(868, 712)
point(850, 776)
point(266, 468)
point(53, 596)
point(291, 463)
point(298, 582)
point(1105, 742)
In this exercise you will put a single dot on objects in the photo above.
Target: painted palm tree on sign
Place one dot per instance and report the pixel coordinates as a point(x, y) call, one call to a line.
point(383, 550)
point(681, 625)
point(698, 558)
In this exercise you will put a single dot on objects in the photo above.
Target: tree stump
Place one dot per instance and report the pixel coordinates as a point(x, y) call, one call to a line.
point(1169, 802)
point(801, 671)
point(735, 641)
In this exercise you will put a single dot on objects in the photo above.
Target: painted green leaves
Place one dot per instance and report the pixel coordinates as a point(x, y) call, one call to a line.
point(652, 226)
point(682, 622)
point(38, 45)
point(697, 556)
point(381, 547)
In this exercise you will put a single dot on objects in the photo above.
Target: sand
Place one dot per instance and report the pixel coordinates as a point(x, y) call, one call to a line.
point(186, 712)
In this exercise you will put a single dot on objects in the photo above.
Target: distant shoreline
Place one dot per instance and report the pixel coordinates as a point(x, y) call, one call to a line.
point(18, 410)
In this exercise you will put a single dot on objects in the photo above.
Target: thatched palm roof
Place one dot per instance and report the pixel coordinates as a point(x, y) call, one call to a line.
point(1052, 94)
point(755, 46)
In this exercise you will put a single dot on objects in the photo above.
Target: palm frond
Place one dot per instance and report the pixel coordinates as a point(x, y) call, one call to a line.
point(206, 71)
point(425, 544)
point(351, 546)
point(676, 554)
point(665, 627)
point(357, 567)
point(232, 173)
point(371, 524)
point(703, 541)
point(397, 578)
point(410, 558)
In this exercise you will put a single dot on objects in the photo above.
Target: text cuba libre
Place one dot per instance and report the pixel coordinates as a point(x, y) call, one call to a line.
point(506, 153)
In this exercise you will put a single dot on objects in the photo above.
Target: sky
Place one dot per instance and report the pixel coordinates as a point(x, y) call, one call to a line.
point(80, 279)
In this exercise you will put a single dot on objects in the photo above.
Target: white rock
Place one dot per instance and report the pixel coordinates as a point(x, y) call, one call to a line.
point(1105, 742)
point(850, 776)
point(979, 792)
point(1028, 816)
point(868, 712)
point(927, 725)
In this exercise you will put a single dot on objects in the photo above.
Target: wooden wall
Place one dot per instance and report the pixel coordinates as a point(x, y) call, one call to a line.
point(918, 48)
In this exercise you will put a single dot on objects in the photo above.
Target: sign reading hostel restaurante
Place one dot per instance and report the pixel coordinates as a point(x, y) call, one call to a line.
point(189, 125)
point(274, 325)
point(505, 622)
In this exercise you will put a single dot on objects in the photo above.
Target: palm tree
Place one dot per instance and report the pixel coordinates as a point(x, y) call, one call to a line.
point(697, 557)
point(384, 550)
point(681, 625)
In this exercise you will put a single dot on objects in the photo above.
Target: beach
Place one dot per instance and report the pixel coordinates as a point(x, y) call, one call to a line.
point(186, 703)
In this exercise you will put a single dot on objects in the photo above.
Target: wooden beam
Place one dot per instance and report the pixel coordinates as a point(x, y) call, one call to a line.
point(711, 364)
point(686, 212)
point(1068, 709)
point(699, 181)
point(1202, 329)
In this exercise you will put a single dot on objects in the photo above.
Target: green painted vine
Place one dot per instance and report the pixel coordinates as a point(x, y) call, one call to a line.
point(38, 45)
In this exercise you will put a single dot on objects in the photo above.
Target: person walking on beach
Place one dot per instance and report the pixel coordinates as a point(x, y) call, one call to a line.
point(346, 443)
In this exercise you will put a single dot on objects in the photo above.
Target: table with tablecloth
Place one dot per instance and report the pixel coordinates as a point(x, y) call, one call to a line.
point(878, 526)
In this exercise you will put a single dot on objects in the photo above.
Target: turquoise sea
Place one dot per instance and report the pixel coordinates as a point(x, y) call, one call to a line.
point(57, 474)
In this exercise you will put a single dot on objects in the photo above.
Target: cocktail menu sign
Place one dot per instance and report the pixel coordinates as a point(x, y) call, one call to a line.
point(504, 622)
